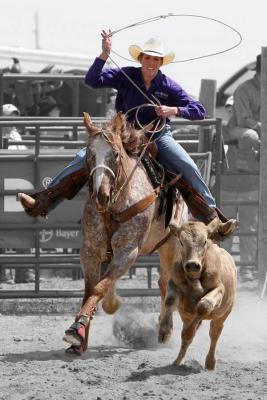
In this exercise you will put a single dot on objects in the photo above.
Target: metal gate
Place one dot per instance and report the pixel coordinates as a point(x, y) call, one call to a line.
point(32, 169)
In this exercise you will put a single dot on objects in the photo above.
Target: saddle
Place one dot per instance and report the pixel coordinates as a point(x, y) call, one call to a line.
point(171, 188)
point(162, 179)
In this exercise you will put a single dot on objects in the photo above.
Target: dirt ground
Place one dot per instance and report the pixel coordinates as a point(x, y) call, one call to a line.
point(34, 365)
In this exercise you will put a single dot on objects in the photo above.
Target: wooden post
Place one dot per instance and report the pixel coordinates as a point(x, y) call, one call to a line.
point(262, 225)
point(207, 97)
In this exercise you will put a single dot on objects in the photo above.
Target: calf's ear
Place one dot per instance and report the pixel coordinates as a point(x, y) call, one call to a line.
point(212, 228)
point(219, 231)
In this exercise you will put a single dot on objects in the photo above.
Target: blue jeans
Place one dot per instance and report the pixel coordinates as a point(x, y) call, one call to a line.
point(75, 165)
point(170, 154)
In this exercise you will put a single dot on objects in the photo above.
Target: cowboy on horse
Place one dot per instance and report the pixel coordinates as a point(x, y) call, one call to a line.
point(134, 86)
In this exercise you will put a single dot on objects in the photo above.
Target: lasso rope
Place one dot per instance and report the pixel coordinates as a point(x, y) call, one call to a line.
point(156, 102)
point(159, 17)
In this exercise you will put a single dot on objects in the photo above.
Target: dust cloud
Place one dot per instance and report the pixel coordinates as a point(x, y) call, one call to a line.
point(135, 328)
point(244, 337)
point(246, 327)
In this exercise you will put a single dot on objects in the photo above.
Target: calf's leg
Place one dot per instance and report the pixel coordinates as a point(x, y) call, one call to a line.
point(187, 335)
point(216, 327)
point(210, 301)
point(168, 307)
point(167, 254)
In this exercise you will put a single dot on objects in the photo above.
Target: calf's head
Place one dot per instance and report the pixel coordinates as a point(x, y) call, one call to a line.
point(194, 240)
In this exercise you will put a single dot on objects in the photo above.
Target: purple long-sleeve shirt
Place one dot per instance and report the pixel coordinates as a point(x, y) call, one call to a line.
point(167, 91)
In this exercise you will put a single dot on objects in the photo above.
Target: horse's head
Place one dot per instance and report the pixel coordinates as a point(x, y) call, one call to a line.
point(107, 160)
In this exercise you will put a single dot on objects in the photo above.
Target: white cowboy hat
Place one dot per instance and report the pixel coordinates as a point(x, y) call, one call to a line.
point(154, 48)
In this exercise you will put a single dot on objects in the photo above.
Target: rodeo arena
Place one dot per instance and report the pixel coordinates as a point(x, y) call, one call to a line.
point(119, 266)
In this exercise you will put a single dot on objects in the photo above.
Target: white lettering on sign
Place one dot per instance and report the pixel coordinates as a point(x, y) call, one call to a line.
point(49, 234)
point(66, 234)
point(10, 202)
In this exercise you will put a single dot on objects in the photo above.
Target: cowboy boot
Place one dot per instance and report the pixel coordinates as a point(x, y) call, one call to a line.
point(200, 210)
point(38, 203)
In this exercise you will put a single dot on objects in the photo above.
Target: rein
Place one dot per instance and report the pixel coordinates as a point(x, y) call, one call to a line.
point(120, 190)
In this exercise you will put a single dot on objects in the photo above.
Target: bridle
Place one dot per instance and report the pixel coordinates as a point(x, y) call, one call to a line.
point(112, 218)
point(103, 166)
point(114, 190)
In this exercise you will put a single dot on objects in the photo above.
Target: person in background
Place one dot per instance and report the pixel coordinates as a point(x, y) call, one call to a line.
point(174, 102)
point(243, 145)
point(229, 106)
point(49, 107)
point(12, 133)
point(244, 124)
point(15, 67)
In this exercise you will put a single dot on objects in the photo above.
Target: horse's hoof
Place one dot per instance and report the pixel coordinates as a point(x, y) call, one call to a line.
point(110, 307)
point(75, 334)
point(75, 350)
point(164, 335)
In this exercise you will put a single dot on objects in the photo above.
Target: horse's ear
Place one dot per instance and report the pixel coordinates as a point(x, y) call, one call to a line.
point(119, 123)
point(175, 228)
point(88, 123)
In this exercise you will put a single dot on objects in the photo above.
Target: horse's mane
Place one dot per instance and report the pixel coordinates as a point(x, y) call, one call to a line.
point(132, 139)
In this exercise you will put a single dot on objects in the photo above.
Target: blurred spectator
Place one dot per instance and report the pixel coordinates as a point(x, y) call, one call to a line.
point(244, 114)
point(16, 67)
point(49, 107)
point(111, 110)
point(11, 133)
point(229, 105)
point(244, 124)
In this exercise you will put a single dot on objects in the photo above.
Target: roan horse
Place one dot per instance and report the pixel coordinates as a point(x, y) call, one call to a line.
point(120, 221)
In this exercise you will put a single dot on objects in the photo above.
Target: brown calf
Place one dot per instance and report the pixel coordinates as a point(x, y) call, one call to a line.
point(202, 284)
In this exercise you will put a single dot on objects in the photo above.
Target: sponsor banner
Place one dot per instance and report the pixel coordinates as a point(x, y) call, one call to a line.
point(19, 174)
point(48, 238)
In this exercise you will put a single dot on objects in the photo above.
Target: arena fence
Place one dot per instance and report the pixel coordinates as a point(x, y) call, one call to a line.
point(33, 168)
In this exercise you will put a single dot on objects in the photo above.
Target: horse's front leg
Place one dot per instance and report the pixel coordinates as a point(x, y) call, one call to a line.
point(122, 260)
point(77, 335)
